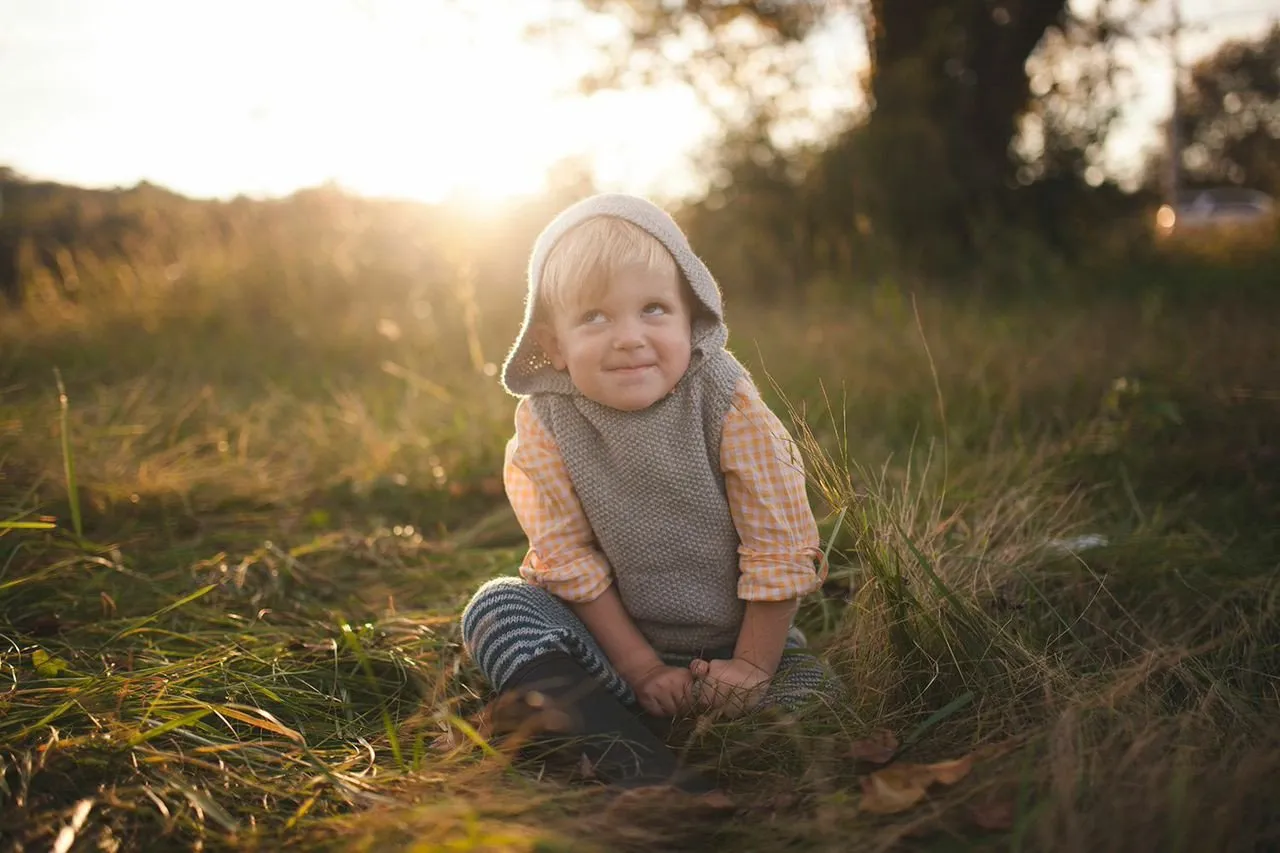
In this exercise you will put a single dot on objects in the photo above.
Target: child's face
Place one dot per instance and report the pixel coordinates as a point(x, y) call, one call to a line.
point(628, 348)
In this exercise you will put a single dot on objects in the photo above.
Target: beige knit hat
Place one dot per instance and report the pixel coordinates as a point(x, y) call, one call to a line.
point(529, 371)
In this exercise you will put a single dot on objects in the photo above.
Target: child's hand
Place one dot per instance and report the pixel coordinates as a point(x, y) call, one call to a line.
point(665, 691)
point(731, 687)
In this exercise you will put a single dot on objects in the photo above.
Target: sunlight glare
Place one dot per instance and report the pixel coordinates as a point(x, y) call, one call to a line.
point(391, 98)
point(444, 115)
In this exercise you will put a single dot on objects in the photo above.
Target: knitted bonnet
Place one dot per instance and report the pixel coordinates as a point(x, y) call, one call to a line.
point(529, 371)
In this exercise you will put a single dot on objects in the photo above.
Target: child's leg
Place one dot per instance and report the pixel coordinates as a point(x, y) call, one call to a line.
point(591, 721)
point(802, 679)
point(526, 640)
point(510, 622)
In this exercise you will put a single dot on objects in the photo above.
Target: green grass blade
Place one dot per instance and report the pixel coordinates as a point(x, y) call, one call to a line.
point(211, 809)
point(469, 731)
point(124, 632)
point(176, 723)
point(926, 565)
point(835, 534)
point(68, 461)
point(47, 718)
point(938, 716)
point(388, 725)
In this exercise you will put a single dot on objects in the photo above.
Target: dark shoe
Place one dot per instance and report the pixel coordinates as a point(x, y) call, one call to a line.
point(553, 700)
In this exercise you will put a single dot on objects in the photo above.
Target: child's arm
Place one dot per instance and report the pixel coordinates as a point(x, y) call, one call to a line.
point(736, 685)
point(662, 690)
point(780, 560)
point(618, 636)
point(764, 633)
point(564, 560)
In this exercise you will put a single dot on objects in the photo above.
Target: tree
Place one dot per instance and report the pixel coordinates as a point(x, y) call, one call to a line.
point(1230, 116)
point(950, 75)
point(961, 62)
point(978, 115)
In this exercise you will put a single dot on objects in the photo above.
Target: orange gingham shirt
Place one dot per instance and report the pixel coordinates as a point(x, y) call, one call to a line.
point(779, 557)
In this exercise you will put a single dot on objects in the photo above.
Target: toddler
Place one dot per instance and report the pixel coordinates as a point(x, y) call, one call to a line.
point(669, 529)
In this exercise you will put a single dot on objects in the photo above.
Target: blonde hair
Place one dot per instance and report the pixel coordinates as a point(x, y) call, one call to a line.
point(584, 261)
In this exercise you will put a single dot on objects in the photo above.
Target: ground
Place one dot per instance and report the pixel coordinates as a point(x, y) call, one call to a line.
point(233, 554)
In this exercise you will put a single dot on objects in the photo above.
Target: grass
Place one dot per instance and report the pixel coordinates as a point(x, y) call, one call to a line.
point(236, 532)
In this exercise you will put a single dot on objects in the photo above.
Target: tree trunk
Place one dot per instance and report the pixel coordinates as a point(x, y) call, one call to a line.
point(973, 54)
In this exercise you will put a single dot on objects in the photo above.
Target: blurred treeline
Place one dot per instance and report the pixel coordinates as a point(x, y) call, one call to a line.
point(64, 249)
point(978, 160)
point(934, 185)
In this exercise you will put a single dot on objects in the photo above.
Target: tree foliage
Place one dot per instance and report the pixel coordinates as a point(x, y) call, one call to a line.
point(947, 90)
point(958, 65)
point(1230, 116)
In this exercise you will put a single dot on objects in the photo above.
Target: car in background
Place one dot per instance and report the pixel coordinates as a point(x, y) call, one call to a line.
point(1219, 212)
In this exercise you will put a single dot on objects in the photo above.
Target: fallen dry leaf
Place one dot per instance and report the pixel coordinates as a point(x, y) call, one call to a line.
point(894, 789)
point(899, 787)
point(663, 802)
point(951, 772)
point(877, 748)
point(716, 801)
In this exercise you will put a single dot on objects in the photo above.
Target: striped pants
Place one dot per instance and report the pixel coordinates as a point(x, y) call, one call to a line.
point(509, 622)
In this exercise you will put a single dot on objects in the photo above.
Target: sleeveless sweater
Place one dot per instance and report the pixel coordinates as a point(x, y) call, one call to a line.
point(649, 481)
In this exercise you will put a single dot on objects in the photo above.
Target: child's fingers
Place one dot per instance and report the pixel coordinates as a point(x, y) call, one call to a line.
point(669, 695)
point(675, 696)
point(686, 695)
point(714, 691)
point(660, 705)
point(709, 694)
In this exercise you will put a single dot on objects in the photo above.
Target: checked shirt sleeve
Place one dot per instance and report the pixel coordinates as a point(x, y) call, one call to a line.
point(779, 557)
point(562, 558)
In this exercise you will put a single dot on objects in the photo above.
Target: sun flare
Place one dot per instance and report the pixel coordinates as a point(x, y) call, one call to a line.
point(419, 100)
point(445, 115)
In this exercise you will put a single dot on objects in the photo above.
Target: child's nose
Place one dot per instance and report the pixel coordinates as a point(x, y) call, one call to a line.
point(629, 336)
point(628, 342)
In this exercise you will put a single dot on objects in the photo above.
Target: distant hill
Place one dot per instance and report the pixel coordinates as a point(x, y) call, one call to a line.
point(43, 224)
point(57, 242)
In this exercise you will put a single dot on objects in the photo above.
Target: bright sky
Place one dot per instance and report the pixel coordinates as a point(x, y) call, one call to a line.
point(409, 98)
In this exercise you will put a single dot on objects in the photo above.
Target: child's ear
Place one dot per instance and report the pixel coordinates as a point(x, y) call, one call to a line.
point(546, 338)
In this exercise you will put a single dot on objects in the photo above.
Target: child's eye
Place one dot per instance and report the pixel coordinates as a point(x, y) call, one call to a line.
point(591, 316)
point(655, 308)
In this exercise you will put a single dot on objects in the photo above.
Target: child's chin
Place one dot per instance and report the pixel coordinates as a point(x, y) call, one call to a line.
point(628, 402)
point(630, 405)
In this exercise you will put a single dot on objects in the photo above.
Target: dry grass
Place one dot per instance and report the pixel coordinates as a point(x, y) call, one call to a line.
point(251, 642)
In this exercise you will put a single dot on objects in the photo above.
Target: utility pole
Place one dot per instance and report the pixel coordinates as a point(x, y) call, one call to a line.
point(1175, 137)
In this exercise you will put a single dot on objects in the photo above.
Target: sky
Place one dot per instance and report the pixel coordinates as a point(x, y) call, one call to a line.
point(419, 99)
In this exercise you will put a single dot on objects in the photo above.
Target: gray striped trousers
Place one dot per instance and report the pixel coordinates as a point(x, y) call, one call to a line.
point(509, 622)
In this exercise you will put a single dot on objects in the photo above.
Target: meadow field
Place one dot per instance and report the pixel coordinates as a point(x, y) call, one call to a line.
point(240, 514)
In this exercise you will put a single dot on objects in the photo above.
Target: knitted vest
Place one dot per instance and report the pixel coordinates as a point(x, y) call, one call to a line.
point(649, 481)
